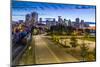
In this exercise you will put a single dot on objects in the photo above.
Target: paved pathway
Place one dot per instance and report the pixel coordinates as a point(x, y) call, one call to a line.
point(48, 52)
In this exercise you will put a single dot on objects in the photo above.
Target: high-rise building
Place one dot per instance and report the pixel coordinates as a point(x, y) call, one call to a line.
point(69, 22)
point(34, 17)
point(60, 19)
point(27, 18)
point(82, 24)
point(77, 23)
point(54, 20)
point(48, 23)
point(66, 22)
point(40, 20)
point(77, 20)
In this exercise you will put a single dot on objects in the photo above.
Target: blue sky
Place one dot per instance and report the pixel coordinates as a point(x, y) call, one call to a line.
point(51, 10)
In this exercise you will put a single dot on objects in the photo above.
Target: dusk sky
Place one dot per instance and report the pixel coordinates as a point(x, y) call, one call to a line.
point(51, 10)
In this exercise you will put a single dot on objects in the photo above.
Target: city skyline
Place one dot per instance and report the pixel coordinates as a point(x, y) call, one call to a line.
point(50, 10)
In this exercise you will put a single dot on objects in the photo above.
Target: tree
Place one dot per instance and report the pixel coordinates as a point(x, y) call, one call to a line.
point(73, 41)
point(84, 51)
point(87, 31)
point(69, 30)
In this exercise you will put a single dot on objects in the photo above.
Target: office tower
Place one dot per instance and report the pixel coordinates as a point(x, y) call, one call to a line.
point(77, 23)
point(60, 19)
point(27, 18)
point(48, 23)
point(69, 22)
point(77, 20)
point(54, 20)
point(66, 22)
point(82, 24)
point(34, 17)
point(40, 20)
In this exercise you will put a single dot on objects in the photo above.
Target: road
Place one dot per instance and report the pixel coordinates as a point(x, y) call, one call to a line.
point(44, 51)
point(48, 52)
